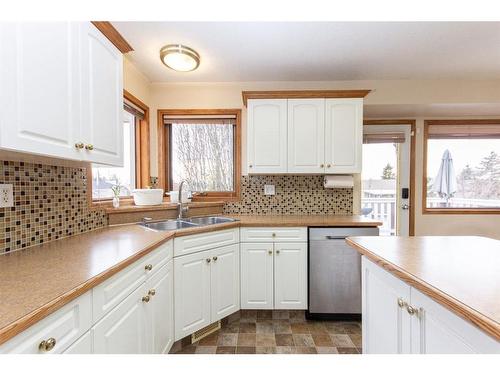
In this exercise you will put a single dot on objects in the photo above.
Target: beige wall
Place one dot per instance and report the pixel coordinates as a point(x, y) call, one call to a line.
point(228, 95)
point(135, 82)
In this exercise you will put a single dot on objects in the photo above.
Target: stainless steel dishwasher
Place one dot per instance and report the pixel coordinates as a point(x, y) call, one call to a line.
point(335, 273)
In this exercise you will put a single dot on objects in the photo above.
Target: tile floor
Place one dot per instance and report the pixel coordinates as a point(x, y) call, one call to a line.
point(277, 332)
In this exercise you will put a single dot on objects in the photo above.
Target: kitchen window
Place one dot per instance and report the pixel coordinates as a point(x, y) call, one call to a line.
point(201, 147)
point(135, 171)
point(461, 166)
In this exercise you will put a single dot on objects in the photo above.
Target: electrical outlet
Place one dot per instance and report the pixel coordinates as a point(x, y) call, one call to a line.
point(269, 190)
point(6, 195)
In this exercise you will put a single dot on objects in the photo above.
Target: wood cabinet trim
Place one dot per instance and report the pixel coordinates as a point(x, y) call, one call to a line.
point(303, 94)
point(109, 31)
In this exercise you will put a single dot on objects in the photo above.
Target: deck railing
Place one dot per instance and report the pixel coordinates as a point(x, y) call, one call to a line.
point(384, 210)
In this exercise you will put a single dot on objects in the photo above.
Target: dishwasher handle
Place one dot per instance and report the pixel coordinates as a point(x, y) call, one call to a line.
point(335, 237)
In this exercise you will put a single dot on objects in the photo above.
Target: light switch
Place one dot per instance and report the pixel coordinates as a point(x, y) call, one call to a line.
point(269, 190)
point(6, 195)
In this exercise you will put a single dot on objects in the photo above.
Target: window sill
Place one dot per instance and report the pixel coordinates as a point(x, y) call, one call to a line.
point(460, 211)
point(130, 207)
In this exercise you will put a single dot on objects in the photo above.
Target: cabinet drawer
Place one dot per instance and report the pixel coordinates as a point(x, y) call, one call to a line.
point(65, 325)
point(111, 292)
point(274, 234)
point(204, 241)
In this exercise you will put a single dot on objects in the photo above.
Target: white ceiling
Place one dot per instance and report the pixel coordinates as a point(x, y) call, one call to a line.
point(326, 51)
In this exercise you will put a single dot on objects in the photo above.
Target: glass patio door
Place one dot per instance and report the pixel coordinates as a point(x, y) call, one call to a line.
point(385, 178)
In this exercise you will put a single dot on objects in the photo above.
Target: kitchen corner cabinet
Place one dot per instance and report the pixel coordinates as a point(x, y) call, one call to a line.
point(206, 288)
point(398, 318)
point(307, 136)
point(273, 273)
point(61, 92)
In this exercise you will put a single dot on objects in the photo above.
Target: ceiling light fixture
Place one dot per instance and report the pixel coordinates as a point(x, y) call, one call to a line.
point(179, 58)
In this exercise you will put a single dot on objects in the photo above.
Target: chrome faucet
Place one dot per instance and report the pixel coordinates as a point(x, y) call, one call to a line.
point(182, 209)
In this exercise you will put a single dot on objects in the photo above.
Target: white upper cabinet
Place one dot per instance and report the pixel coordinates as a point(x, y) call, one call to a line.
point(343, 135)
point(39, 88)
point(61, 92)
point(102, 98)
point(267, 136)
point(306, 135)
point(313, 136)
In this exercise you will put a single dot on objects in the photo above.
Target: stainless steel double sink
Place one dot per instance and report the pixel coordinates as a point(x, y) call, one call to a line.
point(192, 222)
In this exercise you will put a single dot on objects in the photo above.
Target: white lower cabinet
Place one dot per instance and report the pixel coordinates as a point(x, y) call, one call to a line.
point(161, 309)
point(257, 264)
point(274, 275)
point(206, 288)
point(55, 333)
point(290, 276)
point(385, 325)
point(81, 346)
point(398, 318)
point(123, 330)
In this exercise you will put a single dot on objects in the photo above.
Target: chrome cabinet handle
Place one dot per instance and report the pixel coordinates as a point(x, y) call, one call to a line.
point(151, 292)
point(401, 303)
point(250, 166)
point(148, 267)
point(208, 260)
point(215, 259)
point(270, 252)
point(146, 299)
point(335, 237)
point(322, 166)
point(277, 251)
point(328, 165)
point(89, 147)
point(47, 345)
point(274, 235)
point(411, 310)
point(79, 145)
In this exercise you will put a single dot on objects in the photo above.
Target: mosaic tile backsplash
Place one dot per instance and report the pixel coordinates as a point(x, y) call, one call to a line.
point(50, 202)
point(295, 195)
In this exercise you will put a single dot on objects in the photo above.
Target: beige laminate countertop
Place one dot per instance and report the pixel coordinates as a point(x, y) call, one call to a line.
point(460, 273)
point(37, 281)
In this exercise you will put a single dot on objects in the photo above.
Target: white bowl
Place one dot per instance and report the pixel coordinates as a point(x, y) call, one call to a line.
point(148, 197)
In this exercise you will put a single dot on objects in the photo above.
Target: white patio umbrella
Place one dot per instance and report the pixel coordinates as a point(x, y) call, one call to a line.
point(445, 183)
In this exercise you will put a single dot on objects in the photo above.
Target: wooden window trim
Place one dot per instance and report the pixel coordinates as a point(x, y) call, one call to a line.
point(164, 152)
point(453, 211)
point(142, 156)
point(412, 123)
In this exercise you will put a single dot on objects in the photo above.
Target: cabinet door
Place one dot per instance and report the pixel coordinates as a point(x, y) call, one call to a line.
point(306, 135)
point(225, 281)
point(81, 346)
point(39, 88)
point(191, 293)
point(436, 330)
point(290, 276)
point(161, 309)
point(256, 275)
point(343, 135)
point(267, 136)
point(386, 325)
point(63, 327)
point(124, 329)
point(102, 97)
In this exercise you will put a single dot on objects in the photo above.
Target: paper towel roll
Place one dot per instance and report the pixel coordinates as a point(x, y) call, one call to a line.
point(338, 181)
